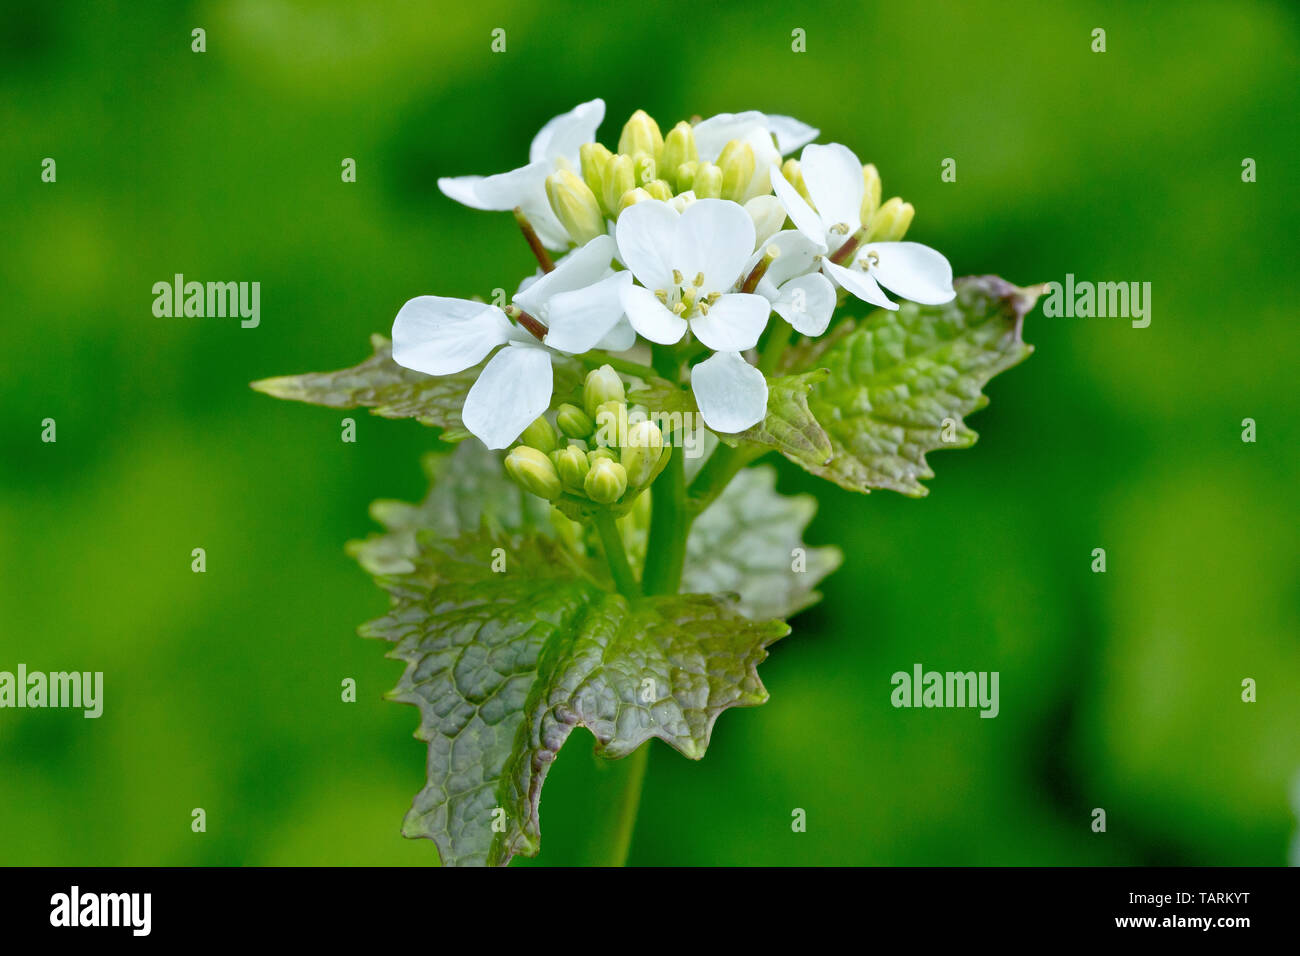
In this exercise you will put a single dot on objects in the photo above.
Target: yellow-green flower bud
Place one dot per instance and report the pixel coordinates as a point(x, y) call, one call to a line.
point(602, 385)
point(574, 204)
point(620, 176)
point(794, 176)
point(539, 435)
point(608, 454)
point(595, 157)
point(534, 472)
point(574, 422)
point(611, 424)
point(737, 165)
point(645, 443)
point(641, 135)
point(679, 148)
point(632, 197)
point(890, 222)
point(605, 482)
point(645, 169)
point(707, 183)
point(572, 466)
point(659, 190)
point(871, 194)
point(684, 176)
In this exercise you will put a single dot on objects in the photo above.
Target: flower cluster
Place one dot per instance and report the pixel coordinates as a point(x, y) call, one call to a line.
point(680, 240)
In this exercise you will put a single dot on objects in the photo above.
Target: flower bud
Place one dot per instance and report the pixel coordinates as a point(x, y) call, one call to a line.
point(684, 176)
point(596, 454)
point(681, 201)
point(611, 424)
point(534, 472)
point(632, 197)
point(594, 157)
point(871, 192)
point(539, 435)
point(679, 148)
point(645, 443)
point(890, 222)
point(794, 176)
point(619, 177)
point(574, 204)
point(605, 482)
point(602, 385)
point(707, 183)
point(659, 190)
point(737, 165)
point(644, 169)
point(641, 135)
point(768, 215)
point(572, 466)
point(574, 422)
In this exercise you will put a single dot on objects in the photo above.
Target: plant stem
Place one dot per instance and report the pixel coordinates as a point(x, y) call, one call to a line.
point(624, 798)
point(777, 339)
point(722, 466)
point(616, 554)
point(670, 523)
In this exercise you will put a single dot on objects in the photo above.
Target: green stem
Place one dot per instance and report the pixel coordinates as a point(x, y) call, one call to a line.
point(670, 523)
point(616, 554)
point(622, 798)
point(597, 359)
point(722, 466)
point(777, 339)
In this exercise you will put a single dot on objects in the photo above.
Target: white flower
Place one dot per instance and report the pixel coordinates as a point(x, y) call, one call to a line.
point(833, 176)
point(731, 393)
point(798, 292)
point(554, 147)
point(757, 129)
point(688, 262)
point(578, 304)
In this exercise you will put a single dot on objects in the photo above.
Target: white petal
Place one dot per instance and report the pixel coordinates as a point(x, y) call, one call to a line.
point(712, 134)
point(714, 237)
point(649, 316)
point(790, 133)
point(806, 302)
point(768, 215)
point(803, 216)
point(577, 270)
point(834, 179)
point(731, 393)
point(579, 319)
point(798, 255)
point(439, 336)
point(511, 392)
point(859, 283)
point(501, 192)
point(645, 241)
point(734, 322)
point(620, 338)
point(564, 134)
point(913, 271)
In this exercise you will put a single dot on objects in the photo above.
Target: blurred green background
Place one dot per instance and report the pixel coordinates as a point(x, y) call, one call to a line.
point(1118, 690)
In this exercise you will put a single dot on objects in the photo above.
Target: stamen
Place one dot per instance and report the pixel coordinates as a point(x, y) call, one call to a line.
point(679, 308)
point(662, 295)
point(677, 277)
point(840, 229)
point(714, 297)
point(534, 243)
point(526, 321)
point(704, 307)
point(699, 280)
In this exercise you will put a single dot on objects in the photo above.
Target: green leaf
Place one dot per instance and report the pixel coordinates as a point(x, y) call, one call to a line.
point(901, 383)
point(504, 664)
point(790, 427)
point(661, 396)
point(750, 541)
point(391, 391)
